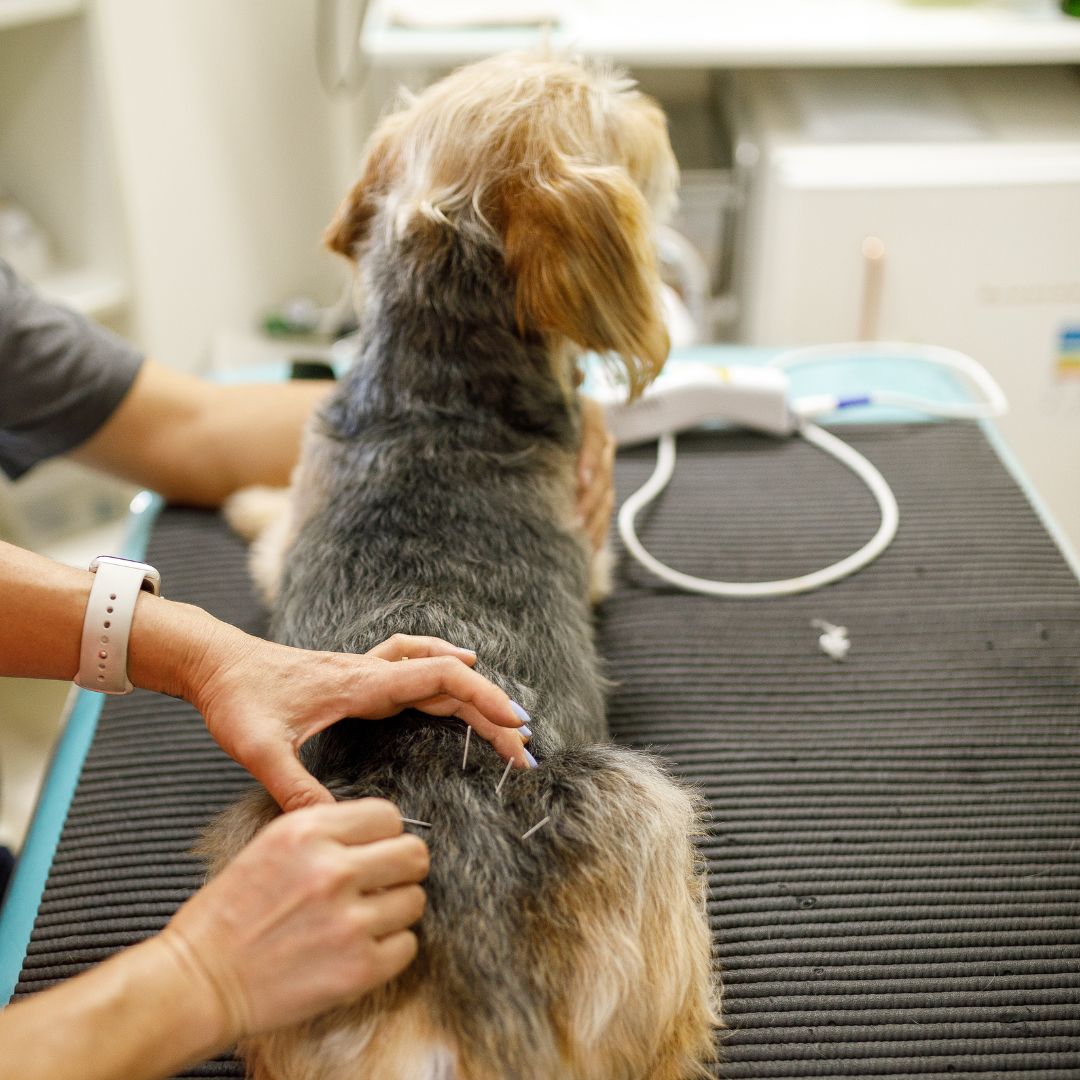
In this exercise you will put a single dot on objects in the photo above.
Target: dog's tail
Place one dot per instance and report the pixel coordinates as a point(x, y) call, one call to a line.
point(576, 950)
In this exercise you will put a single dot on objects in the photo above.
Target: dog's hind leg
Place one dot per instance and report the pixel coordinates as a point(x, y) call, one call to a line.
point(234, 828)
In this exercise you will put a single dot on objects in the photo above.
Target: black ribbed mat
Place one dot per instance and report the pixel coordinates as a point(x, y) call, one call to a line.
point(895, 843)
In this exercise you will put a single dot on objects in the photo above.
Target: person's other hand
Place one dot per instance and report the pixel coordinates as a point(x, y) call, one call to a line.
point(312, 913)
point(595, 473)
point(262, 701)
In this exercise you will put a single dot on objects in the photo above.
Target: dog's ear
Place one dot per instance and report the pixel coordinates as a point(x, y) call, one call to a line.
point(378, 170)
point(578, 244)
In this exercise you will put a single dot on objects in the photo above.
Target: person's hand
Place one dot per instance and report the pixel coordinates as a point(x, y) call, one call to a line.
point(312, 913)
point(595, 473)
point(262, 701)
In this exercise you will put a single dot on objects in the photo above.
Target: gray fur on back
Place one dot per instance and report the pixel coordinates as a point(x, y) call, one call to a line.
point(439, 458)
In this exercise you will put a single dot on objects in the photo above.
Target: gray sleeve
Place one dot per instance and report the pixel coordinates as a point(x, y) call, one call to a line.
point(61, 376)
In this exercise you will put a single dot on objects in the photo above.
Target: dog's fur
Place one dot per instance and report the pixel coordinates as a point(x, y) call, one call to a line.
point(502, 221)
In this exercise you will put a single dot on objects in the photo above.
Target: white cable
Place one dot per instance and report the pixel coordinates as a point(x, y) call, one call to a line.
point(993, 404)
point(830, 444)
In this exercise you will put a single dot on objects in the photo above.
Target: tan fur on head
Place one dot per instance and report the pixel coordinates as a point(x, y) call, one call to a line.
point(564, 168)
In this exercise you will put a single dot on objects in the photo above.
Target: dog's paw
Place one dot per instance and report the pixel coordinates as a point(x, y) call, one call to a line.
point(263, 517)
point(251, 510)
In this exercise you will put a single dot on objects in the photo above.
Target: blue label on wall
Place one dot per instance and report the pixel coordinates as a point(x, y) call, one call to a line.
point(1068, 353)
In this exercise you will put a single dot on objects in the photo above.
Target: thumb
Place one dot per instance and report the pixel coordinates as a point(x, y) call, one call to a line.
point(289, 783)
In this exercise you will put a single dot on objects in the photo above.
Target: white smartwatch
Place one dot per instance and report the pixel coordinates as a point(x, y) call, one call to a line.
point(109, 612)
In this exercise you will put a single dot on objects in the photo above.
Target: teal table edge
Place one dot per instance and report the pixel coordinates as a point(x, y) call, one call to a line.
point(32, 869)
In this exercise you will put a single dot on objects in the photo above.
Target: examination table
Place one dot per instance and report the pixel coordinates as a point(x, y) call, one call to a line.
point(893, 840)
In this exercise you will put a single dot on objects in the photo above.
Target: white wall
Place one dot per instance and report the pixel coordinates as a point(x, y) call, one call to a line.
point(230, 160)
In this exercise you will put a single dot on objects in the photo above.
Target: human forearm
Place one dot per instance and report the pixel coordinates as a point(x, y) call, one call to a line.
point(197, 442)
point(254, 431)
point(143, 1014)
point(45, 605)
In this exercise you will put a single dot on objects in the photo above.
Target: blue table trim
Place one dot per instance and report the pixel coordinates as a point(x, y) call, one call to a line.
point(32, 869)
point(1016, 470)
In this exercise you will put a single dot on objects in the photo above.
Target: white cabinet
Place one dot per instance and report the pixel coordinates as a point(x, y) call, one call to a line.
point(966, 184)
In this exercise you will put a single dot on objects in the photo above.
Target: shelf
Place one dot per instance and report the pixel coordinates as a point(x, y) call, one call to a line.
point(91, 292)
point(753, 33)
point(26, 12)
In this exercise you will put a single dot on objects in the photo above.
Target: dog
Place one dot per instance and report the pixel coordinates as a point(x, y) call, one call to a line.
point(500, 225)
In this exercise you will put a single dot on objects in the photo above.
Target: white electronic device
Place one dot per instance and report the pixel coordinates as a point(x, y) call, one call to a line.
point(753, 397)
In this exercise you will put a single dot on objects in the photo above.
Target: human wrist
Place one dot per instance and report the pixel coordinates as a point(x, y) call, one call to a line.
point(159, 1015)
point(172, 646)
point(208, 1023)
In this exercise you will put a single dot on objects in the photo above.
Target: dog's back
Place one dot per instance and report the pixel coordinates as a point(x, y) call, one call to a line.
point(577, 953)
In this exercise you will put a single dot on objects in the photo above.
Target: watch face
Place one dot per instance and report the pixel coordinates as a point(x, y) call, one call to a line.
point(151, 578)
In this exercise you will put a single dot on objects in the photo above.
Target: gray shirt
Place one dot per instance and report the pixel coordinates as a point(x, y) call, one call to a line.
point(61, 376)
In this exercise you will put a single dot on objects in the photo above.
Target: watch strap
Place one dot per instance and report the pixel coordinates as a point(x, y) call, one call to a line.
point(110, 611)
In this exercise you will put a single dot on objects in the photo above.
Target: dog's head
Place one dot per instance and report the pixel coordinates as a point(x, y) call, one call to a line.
point(562, 168)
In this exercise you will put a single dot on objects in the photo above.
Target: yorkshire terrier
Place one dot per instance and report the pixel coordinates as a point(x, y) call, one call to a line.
point(502, 223)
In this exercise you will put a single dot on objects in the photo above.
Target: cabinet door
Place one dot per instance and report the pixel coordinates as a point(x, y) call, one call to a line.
point(989, 264)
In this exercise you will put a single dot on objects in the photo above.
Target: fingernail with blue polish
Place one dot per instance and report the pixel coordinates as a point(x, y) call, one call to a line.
point(525, 730)
point(520, 713)
point(530, 759)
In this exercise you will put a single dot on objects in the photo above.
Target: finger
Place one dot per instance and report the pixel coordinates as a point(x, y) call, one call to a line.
point(384, 864)
point(589, 463)
point(594, 434)
point(444, 705)
point(395, 909)
point(411, 647)
point(605, 464)
point(610, 446)
point(358, 821)
point(507, 742)
point(600, 521)
point(393, 955)
point(591, 498)
point(483, 727)
point(422, 680)
point(291, 786)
